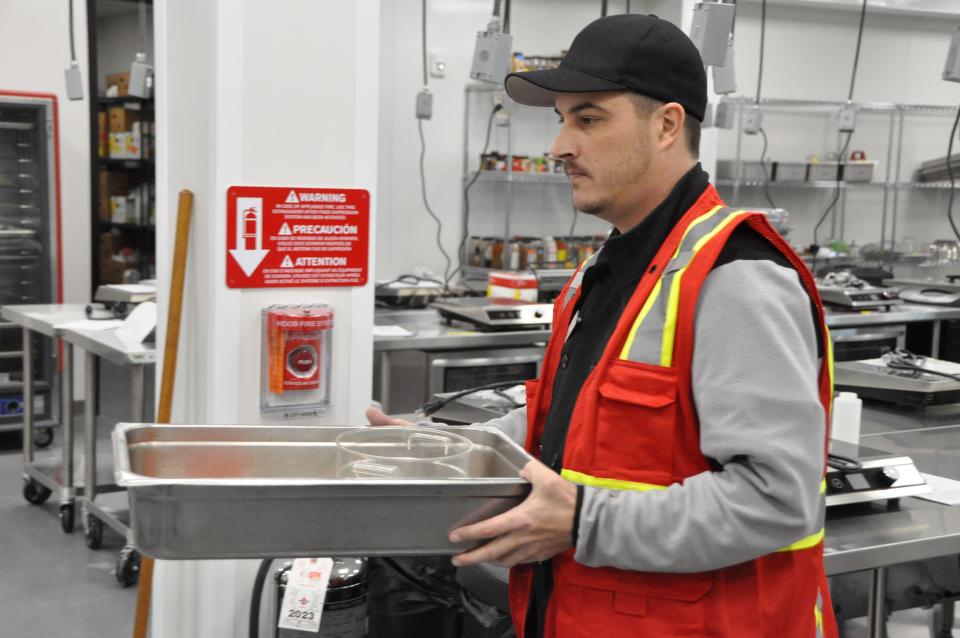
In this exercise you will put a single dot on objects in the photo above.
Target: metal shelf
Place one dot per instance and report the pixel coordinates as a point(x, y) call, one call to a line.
point(820, 105)
point(831, 185)
point(126, 99)
point(520, 178)
point(126, 164)
point(118, 225)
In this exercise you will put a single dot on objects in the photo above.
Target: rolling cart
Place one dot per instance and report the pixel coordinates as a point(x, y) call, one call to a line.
point(44, 476)
point(111, 509)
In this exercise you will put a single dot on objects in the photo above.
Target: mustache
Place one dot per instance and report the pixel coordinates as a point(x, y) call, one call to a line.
point(571, 167)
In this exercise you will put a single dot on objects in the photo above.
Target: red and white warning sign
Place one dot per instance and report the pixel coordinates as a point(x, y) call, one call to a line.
point(297, 237)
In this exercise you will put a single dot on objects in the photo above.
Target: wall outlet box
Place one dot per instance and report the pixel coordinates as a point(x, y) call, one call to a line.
point(848, 119)
point(752, 121)
point(424, 105)
point(74, 82)
point(725, 77)
point(710, 30)
point(951, 71)
point(491, 56)
point(724, 115)
point(438, 66)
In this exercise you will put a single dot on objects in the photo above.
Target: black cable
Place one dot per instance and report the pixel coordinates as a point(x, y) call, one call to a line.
point(426, 204)
point(73, 53)
point(903, 359)
point(603, 8)
point(856, 55)
point(506, 16)
point(766, 172)
point(836, 194)
point(416, 583)
point(423, 33)
point(841, 157)
point(763, 34)
point(466, 197)
point(257, 595)
point(953, 184)
point(628, 6)
point(573, 228)
point(430, 407)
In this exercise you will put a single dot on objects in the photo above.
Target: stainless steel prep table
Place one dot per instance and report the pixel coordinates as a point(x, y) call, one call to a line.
point(875, 539)
point(429, 330)
point(45, 476)
point(106, 344)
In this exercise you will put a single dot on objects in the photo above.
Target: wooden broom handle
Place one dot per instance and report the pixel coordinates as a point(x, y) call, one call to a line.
point(184, 208)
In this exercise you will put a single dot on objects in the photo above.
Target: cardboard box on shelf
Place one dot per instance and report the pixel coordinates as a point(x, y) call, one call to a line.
point(121, 81)
point(112, 183)
point(111, 272)
point(102, 133)
point(126, 145)
point(122, 119)
point(118, 209)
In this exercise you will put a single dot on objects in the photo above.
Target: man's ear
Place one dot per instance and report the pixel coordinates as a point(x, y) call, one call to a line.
point(670, 120)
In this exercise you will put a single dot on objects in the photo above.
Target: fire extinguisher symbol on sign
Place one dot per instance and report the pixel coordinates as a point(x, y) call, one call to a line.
point(249, 252)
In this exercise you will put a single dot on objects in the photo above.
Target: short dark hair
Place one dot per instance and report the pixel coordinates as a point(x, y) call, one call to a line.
point(691, 125)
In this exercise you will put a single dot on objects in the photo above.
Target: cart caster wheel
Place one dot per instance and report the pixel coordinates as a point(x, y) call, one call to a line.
point(937, 624)
point(43, 437)
point(35, 493)
point(128, 566)
point(67, 516)
point(94, 532)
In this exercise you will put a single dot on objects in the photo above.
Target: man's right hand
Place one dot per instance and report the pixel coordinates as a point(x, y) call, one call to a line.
point(377, 417)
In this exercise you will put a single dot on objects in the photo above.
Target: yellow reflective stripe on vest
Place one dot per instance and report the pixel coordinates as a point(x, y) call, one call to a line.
point(612, 484)
point(813, 539)
point(651, 337)
point(818, 614)
point(670, 324)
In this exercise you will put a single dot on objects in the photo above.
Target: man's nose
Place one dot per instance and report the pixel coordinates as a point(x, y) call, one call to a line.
point(563, 147)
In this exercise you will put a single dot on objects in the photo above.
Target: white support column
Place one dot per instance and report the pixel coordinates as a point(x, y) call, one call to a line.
point(252, 92)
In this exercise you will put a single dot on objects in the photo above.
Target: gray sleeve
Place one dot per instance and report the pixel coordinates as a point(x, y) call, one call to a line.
point(755, 371)
point(513, 424)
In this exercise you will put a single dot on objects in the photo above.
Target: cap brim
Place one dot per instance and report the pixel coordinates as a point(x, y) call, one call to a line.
point(540, 88)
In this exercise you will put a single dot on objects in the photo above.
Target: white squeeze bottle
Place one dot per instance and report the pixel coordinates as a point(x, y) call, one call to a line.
point(845, 421)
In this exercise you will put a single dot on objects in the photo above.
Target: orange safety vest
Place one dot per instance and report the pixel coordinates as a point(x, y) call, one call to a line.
point(635, 427)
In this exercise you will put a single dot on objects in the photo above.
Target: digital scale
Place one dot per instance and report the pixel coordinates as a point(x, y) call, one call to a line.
point(408, 292)
point(863, 297)
point(875, 379)
point(492, 313)
point(877, 476)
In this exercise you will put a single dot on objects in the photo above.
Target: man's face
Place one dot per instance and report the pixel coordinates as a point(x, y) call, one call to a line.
point(606, 149)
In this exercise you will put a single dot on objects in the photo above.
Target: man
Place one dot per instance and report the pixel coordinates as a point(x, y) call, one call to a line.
point(681, 416)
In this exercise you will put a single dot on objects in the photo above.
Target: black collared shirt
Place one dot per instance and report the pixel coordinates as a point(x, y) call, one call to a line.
point(606, 288)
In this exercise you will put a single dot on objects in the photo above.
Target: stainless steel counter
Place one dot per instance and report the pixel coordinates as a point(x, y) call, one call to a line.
point(430, 332)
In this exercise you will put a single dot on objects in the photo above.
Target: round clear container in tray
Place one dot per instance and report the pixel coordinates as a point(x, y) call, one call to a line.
point(402, 453)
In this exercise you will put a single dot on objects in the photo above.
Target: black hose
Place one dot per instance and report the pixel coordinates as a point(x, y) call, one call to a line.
point(257, 594)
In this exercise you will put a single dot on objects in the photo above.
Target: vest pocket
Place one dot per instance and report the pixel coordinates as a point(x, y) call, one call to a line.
point(636, 420)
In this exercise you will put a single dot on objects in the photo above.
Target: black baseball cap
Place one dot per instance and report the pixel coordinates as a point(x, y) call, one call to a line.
point(622, 52)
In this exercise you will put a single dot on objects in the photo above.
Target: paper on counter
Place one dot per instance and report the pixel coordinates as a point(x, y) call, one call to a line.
point(391, 331)
point(139, 323)
point(92, 325)
point(945, 491)
point(134, 289)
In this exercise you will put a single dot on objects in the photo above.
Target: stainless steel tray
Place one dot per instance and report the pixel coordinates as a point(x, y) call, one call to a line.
point(251, 491)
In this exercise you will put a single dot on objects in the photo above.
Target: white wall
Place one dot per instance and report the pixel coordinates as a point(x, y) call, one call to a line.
point(34, 51)
point(809, 53)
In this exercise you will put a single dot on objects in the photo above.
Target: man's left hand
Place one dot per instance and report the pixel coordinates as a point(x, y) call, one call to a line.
point(539, 528)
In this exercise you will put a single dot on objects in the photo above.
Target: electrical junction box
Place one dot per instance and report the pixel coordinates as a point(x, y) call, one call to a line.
point(848, 119)
point(723, 115)
point(491, 56)
point(424, 105)
point(752, 121)
point(74, 82)
point(951, 71)
point(710, 30)
point(725, 77)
